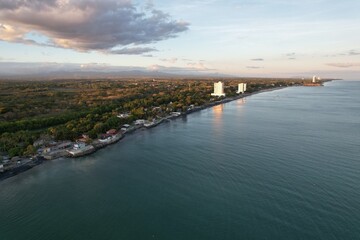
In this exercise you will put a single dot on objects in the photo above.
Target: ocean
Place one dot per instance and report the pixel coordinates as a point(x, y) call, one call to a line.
point(283, 164)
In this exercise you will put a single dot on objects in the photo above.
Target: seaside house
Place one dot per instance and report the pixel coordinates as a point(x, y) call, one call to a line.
point(125, 127)
point(175, 114)
point(64, 145)
point(108, 135)
point(84, 138)
point(111, 132)
point(79, 145)
point(80, 149)
point(59, 150)
point(140, 122)
point(47, 150)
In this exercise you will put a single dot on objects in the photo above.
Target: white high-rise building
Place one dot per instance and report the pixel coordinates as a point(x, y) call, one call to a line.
point(314, 79)
point(241, 88)
point(218, 90)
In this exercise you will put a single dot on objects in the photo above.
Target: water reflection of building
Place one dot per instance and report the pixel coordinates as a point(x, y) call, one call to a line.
point(218, 109)
point(218, 115)
point(241, 101)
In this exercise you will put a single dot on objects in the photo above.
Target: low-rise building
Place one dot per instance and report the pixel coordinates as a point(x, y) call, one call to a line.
point(111, 132)
point(175, 114)
point(79, 145)
point(81, 149)
point(124, 128)
point(140, 122)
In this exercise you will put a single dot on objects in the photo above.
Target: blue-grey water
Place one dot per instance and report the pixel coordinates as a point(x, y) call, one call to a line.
point(277, 165)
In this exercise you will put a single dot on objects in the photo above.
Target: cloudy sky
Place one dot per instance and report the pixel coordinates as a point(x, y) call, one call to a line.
point(282, 38)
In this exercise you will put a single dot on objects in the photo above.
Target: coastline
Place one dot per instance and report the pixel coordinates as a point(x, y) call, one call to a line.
point(40, 159)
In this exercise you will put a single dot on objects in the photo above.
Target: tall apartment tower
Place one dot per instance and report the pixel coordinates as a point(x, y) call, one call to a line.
point(218, 90)
point(314, 79)
point(241, 88)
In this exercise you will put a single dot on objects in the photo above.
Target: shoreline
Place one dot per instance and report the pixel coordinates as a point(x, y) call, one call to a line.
point(40, 159)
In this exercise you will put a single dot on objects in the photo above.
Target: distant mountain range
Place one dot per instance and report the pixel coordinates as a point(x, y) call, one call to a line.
point(56, 71)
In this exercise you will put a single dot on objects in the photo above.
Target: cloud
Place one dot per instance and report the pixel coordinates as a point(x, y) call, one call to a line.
point(253, 67)
point(171, 60)
point(53, 68)
point(353, 52)
point(343, 65)
point(200, 66)
point(290, 56)
point(191, 68)
point(93, 66)
point(133, 50)
point(87, 25)
point(190, 64)
point(24, 68)
point(257, 59)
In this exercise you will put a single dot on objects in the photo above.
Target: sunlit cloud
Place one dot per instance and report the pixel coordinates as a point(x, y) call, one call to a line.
point(133, 50)
point(169, 60)
point(353, 52)
point(191, 67)
point(198, 66)
point(253, 67)
point(257, 59)
point(87, 25)
point(343, 65)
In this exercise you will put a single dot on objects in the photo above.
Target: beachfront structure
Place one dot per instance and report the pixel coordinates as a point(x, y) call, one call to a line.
point(140, 122)
point(218, 90)
point(241, 88)
point(80, 149)
point(315, 78)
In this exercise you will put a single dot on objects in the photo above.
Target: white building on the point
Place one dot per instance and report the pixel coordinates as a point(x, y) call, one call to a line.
point(218, 89)
point(241, 88)
point(314, 79)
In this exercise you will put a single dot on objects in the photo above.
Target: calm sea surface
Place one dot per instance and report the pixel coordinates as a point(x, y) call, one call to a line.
point(276, 165)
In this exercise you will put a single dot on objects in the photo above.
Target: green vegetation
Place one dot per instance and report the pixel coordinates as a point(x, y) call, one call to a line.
point(66, 109)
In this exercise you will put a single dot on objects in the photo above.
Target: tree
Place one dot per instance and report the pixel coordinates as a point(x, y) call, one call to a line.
point(138, 112)
point(16, 151)
point(30, 150)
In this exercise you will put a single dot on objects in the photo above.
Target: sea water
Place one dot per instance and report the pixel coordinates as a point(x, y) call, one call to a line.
point(283, 164)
